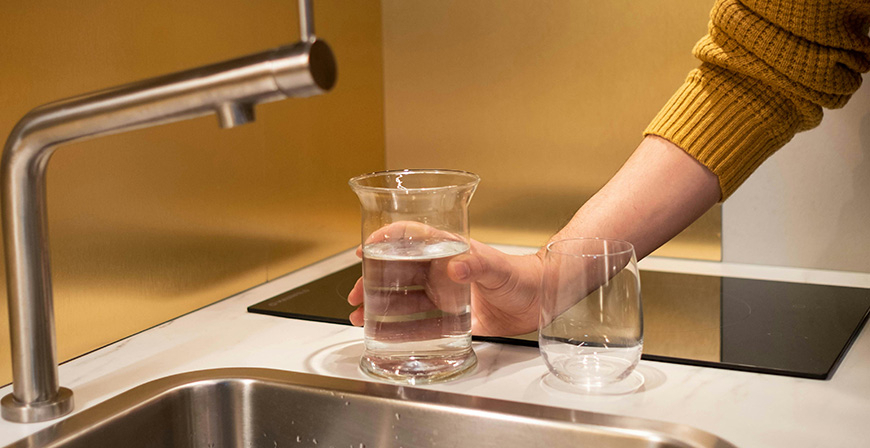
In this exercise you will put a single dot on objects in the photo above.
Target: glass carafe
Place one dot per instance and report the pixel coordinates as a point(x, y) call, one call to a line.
point(417, 320)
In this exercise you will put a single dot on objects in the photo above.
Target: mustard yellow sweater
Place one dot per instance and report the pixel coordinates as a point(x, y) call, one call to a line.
point(768, 68)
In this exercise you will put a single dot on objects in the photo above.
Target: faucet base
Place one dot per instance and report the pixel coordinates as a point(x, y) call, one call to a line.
point(15, 411)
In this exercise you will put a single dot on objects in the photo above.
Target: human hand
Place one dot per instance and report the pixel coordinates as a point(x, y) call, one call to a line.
point(504, 288)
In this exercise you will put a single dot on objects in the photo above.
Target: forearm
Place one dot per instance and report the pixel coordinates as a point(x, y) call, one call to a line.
point(657, 193)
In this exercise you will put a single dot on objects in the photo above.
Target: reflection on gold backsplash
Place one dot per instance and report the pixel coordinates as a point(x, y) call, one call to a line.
point(544, 100)
point(149, 225)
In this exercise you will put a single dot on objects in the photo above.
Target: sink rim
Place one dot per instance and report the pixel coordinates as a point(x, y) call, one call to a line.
point(144, 394)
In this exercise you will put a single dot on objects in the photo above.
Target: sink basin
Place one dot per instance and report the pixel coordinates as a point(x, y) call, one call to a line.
point(271, 408)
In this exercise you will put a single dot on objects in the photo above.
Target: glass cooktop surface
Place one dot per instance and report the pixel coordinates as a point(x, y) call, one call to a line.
point(763, 326)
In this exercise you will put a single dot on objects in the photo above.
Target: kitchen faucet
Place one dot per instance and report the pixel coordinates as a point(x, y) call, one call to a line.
point(229, 89)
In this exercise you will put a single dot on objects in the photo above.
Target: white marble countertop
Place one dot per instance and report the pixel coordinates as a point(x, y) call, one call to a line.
point(747, 409)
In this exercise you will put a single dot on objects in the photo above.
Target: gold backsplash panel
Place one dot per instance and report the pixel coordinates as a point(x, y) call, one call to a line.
point(148, 225)
point(684, 317)
point(543, 99)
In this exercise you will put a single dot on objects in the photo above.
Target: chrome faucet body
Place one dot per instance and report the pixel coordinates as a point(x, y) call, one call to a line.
point(229, 89)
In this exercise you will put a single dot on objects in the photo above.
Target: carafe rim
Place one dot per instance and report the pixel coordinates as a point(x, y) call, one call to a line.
point(356, 182)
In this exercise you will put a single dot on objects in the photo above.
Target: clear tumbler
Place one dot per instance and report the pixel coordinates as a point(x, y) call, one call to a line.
point(591, 322)
point(417, 320)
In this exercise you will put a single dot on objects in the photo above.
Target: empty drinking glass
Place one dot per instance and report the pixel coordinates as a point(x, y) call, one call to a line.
point(591, 324)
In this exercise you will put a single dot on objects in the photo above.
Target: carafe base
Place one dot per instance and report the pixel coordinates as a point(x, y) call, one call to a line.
point(418, 369)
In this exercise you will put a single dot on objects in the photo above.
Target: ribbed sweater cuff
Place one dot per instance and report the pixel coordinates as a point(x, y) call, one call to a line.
point(728, 122)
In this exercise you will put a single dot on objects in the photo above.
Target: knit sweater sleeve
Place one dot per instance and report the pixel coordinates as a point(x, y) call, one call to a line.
point(768, 67)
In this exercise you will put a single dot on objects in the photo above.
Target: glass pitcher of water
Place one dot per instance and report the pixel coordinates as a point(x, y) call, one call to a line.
point(417, 320)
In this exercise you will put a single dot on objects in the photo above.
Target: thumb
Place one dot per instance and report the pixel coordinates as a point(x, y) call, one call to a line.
point(484, 265)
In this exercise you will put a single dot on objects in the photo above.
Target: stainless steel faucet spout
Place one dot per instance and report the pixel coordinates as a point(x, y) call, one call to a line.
point(230, 89)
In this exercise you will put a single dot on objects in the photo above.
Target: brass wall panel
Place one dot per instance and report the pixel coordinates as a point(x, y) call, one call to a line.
point(149, 225)
point(682, 315)
point(544, 99)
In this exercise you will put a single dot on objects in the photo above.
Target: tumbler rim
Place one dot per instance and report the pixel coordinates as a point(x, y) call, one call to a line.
point(629, 248)
point(355, 182)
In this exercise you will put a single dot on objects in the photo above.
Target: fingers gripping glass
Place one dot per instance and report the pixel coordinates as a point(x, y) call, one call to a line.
point(591, 325)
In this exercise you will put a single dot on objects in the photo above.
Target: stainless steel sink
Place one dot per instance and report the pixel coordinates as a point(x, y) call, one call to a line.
point(271, 408)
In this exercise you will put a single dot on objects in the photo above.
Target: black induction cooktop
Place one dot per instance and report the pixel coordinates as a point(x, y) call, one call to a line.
point(773, 327)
